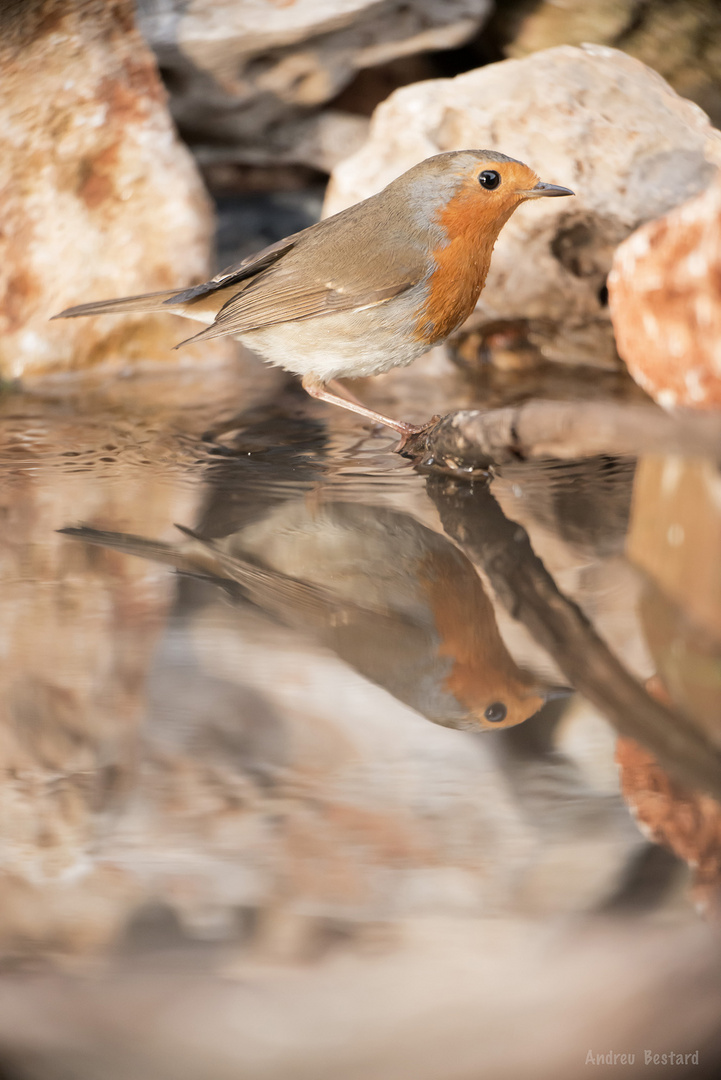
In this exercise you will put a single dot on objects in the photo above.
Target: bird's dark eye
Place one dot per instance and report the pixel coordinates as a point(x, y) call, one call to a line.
point(495, 712)
point(489, 179)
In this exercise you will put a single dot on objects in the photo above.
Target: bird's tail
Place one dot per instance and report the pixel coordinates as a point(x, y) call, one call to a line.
point(129, 544)
point(154, 301)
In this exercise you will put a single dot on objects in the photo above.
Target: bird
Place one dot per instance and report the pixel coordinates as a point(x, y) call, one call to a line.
point(396, 601)
point(366, 290)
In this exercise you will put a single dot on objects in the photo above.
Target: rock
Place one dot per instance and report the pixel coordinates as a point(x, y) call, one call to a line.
point(665, 298)
point(679, 39)
point(590, 118)
point(100, 199)
point(77, 639)
point(248, 77)
point(685, 821)
point(675, 533)
point(674, 539)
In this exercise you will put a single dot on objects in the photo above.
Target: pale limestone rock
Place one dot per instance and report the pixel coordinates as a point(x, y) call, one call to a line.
point(99, 197)
point(248, 77)
point(588, 118)
point(665, 298)
point(678, 38)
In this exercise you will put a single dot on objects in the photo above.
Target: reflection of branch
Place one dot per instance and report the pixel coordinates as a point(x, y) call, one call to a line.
point(566, 429)
point(474, 519)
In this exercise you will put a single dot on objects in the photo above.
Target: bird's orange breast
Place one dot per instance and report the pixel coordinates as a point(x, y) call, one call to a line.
point(461, 265)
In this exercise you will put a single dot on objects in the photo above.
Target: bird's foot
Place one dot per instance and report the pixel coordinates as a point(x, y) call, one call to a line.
point(411, 441)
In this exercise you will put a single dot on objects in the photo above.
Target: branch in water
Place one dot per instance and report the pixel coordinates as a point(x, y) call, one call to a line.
point(471, 439)
point(501, 547)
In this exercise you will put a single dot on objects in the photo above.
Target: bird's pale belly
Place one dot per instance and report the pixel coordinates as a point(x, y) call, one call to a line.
point(348, 344)
point(343, 345)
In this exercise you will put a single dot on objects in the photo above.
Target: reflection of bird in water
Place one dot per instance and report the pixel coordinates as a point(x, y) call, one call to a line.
point(393, 599)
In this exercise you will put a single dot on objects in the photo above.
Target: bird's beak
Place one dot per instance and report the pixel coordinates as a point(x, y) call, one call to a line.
point(545, 189)
point(557, 693)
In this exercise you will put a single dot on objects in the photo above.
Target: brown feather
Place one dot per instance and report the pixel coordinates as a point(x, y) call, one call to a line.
point(154, 301)
point(249, 310)
point(238, 272)
point(461, 264)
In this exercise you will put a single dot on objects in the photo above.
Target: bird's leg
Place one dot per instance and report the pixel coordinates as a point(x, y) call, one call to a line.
point(317, 389)
point(340, 388)
point(337, 387)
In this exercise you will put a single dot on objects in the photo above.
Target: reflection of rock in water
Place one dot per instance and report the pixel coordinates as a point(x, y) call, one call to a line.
point(576, 514)
point(685, 821)
point(687, 658)
point(675, 534)
point(453, 1000)
point(585, 503)
point(348, 807)
point(77, 634)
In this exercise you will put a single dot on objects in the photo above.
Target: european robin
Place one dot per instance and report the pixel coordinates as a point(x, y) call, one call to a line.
point(370, 288)
point(392, 598)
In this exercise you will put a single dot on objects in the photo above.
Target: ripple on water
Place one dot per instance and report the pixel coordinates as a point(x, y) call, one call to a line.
point(284, 718)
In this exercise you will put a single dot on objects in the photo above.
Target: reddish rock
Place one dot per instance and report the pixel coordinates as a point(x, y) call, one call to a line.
point(665, 301)
point(97, 196)
point(687, 822)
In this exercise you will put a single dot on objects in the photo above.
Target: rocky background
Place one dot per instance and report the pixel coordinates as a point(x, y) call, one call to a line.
point(272, 98)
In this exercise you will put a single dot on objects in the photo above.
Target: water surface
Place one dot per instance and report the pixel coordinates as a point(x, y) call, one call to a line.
point(315, 720)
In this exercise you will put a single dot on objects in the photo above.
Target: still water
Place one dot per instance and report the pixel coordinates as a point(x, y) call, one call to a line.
point(283, 698)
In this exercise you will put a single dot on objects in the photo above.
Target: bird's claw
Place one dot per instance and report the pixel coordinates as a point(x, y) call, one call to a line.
point(410, 438)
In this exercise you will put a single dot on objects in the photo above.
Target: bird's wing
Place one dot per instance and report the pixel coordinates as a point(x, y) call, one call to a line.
point(232, 275)
point(261, 304)
point(361, 257)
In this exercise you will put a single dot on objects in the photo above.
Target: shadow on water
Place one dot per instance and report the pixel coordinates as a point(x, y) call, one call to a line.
point(228, 722)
